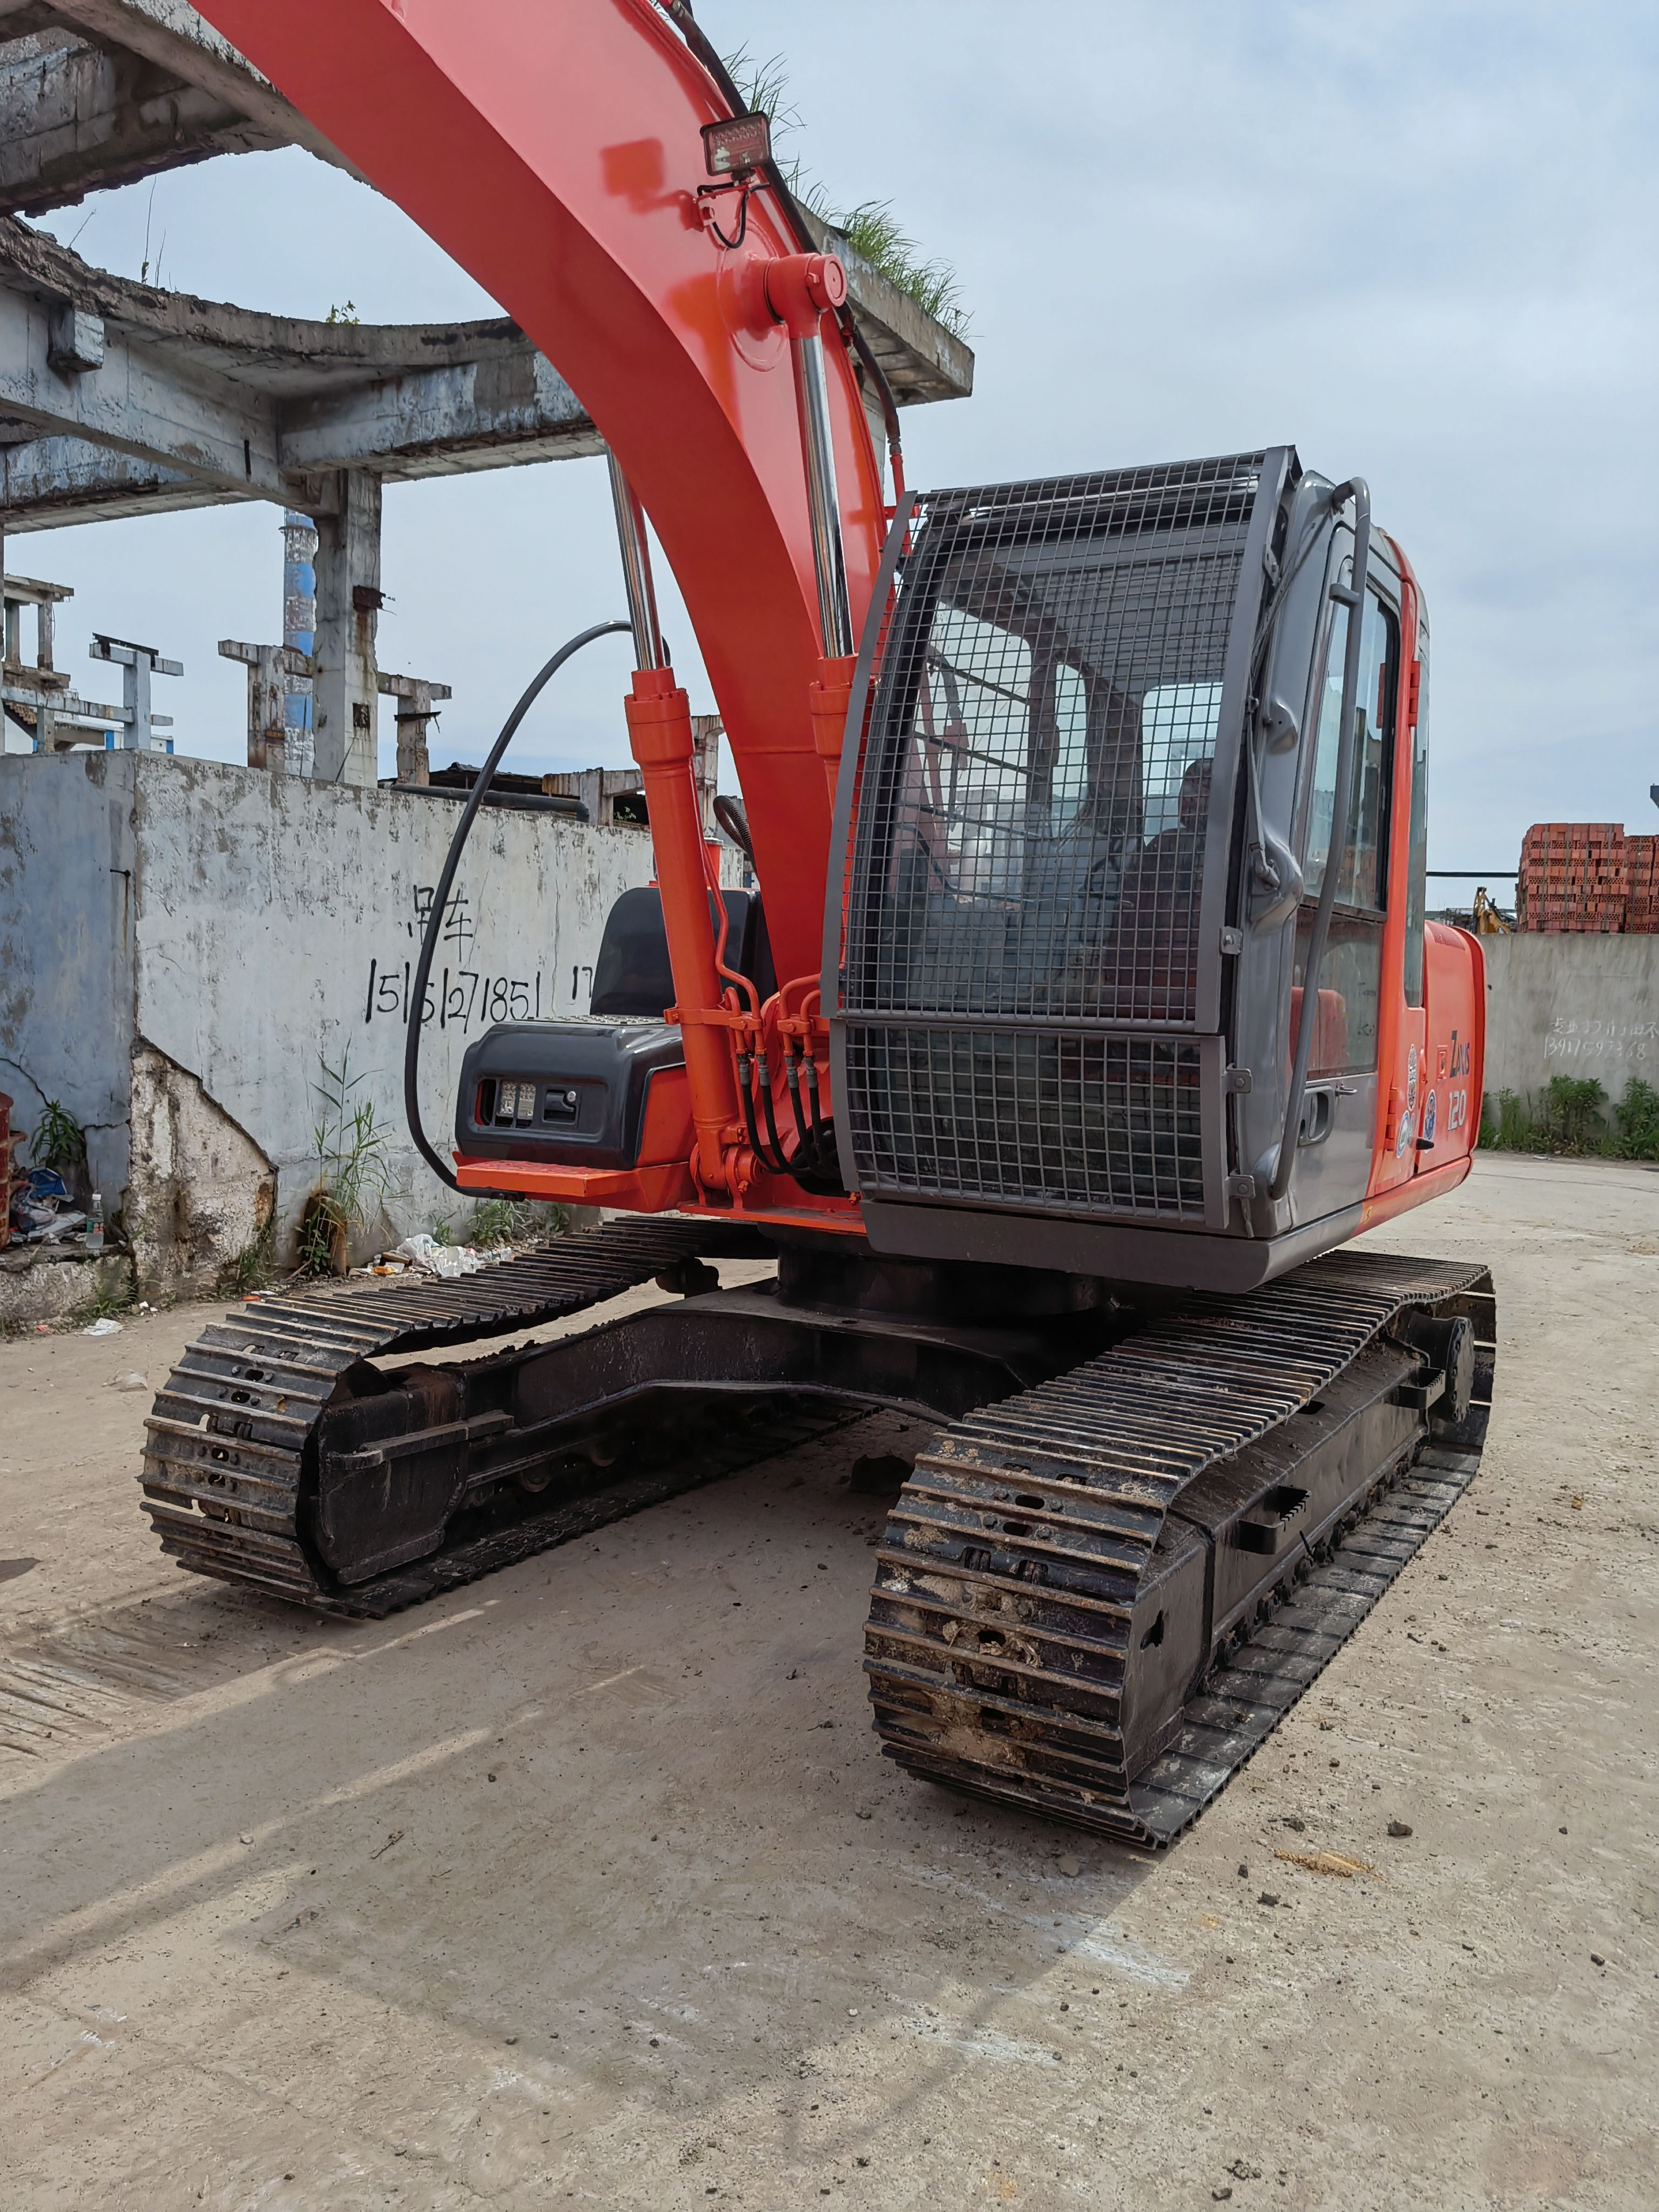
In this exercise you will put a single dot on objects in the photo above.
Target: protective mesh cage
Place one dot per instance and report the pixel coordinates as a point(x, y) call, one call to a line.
point(1029, 843)
point(1075, 1123)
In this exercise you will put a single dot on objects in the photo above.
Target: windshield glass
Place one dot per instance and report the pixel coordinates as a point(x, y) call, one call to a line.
point(1043, 809)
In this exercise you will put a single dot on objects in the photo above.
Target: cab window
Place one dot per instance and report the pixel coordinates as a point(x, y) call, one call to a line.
point(1365, 866)
point(1351, 974)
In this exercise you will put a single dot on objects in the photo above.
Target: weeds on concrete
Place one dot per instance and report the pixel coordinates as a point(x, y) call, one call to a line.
point(354, 1167)
point(501, 1221)
point(254, 1267)
point(114, 1293)
point(509, 1221)
point(1569, 1117)
point(870, 228)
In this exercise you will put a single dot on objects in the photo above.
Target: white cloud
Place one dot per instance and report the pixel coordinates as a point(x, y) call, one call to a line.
point(1417, 242)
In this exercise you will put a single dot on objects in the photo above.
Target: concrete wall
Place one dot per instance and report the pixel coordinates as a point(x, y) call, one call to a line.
point(188, 944)
point(1586, 1006)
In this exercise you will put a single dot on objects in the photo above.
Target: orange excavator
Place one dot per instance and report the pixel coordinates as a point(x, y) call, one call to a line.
point(1086, 1010)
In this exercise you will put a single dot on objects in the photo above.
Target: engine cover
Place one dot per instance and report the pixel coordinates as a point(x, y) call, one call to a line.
point(571, 1093)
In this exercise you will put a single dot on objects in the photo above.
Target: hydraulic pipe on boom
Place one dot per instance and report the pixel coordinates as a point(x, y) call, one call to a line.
point(659, 732)
point(637, 582)
point(802, 289)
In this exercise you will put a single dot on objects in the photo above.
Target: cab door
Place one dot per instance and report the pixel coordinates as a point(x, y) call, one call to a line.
point(1364, 1060)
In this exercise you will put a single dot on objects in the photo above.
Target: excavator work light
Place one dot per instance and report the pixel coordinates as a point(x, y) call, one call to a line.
point(738, 146)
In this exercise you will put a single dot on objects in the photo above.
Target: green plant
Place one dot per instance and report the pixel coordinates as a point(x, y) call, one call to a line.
point(496, 1221)
point(441, 1229)
point(112, 1293)
point(59, 1141)
point(870, 228)
point(1569, 1115)
point(1636, 1122)
point(253, 1267)
point(872, 231)
point(347, 315)
point(321, 1242)
point(354, 1168)
point(763, 86)
point(1569, 1118)
point(1507, 1126)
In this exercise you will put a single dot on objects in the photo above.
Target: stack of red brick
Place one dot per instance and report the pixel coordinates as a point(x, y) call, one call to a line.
point(1588, 877)
point(1642, 900)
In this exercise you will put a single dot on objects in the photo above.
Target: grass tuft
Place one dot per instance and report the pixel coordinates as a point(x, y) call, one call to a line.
point(870, 228)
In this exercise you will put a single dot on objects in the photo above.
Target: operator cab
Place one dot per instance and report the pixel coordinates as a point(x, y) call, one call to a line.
point(1096, 800)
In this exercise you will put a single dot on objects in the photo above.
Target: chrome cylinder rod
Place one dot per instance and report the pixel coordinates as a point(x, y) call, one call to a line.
point(835, 610)
point(636, 571)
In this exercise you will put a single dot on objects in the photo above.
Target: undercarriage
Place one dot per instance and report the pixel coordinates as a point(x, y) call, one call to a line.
point(1136, 1537)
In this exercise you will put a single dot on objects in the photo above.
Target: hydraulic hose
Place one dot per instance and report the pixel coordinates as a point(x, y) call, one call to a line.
point(441, 1168)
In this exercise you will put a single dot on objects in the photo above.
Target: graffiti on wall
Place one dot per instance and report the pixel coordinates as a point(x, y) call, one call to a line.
point(464, 991)
point(1580, 1037)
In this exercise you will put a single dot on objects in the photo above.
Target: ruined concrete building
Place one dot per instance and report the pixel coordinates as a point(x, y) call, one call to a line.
point(157, 982)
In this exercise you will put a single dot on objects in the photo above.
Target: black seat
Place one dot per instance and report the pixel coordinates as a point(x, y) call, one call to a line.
point(632, 978)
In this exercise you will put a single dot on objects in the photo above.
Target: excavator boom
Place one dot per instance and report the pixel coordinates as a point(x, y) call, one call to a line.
point(554, 149)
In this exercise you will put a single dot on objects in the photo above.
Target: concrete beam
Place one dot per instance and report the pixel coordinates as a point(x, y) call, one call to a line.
point(138, 403)
point(424, 424)
point(194, 403)
point(182, 445)
point(50, 481)
point(172, 435)
point(416, 711)
point(97, 93)
point(267, 666)
point(75, 118)
point(921, 360)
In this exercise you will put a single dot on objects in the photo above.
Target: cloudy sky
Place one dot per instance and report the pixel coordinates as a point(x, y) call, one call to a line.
point(1416, 241)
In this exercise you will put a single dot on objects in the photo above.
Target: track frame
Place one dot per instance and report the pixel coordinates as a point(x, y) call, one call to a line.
point(1073, 1614)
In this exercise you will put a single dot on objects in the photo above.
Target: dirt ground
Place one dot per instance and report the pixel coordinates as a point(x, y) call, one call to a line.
point(587, 1883)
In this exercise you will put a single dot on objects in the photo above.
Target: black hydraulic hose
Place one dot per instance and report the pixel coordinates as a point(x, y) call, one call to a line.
point(445, 881)
point(770, 1112)
point(746, 1094)
point(792, 1077)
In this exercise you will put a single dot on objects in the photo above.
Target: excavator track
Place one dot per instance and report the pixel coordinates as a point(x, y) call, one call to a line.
point(224, 1470)
point(1010, 1635)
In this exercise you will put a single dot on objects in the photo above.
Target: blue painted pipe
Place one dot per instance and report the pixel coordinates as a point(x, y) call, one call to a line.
point(299, 630)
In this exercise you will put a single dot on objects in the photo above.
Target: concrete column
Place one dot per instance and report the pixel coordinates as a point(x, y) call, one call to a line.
point(137, 664)
point(348, 608)
point(416, 711)
point(299, 629)
point(267, 709)
point(270, 668)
